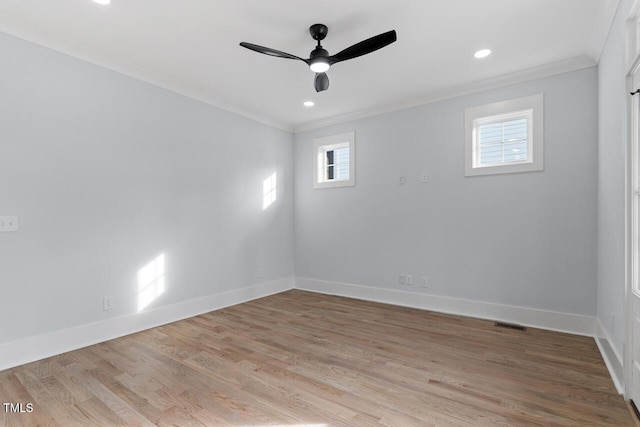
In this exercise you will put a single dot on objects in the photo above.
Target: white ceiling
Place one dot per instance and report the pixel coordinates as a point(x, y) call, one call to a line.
point(191, 47)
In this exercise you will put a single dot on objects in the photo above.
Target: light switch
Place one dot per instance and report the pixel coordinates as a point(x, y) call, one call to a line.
point(424, 281)
point(107, 303)
point(424, 177)
point(8, 223)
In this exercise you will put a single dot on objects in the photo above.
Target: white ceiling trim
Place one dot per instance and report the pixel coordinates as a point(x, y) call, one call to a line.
point(74, 47)
point(139, 73)
point(572, 64)
point(197, 93)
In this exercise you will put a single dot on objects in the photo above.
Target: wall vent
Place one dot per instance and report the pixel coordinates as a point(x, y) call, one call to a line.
point(509, 326)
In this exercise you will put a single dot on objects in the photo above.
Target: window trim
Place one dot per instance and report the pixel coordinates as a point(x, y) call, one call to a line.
point(319, 147)
point(477, 116)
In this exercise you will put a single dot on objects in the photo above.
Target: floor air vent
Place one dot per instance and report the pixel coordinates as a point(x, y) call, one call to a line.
point(510, 326)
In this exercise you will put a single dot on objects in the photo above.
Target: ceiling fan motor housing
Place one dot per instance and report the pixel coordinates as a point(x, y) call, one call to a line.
point(319, 59)
point(318, 51)
point(318, 31)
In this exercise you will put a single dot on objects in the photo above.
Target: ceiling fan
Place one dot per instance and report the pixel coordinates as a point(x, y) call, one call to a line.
point(320, 61)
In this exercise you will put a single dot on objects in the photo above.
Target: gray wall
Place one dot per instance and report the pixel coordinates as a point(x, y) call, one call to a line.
point(106, 173)
point(523, 239)
point(612, 114)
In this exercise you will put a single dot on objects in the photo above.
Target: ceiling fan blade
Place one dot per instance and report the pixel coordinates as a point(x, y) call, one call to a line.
point(321, 82)
point(366, 46)
point(269, 51)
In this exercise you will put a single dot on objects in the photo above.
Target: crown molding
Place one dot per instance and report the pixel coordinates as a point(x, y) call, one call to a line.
point(120, 66)
point(75, 50)
point(565, 66)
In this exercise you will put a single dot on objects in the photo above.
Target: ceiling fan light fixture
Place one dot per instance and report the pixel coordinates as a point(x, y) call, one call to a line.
point(319, 66)
point(319, 59)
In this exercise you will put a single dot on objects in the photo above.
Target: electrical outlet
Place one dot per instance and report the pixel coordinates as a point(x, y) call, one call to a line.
point(402, 280)
point(409, 279)
point(260, 273)
point(424, 281)
point(107, 303)
point(8, 223)
point(402, 180)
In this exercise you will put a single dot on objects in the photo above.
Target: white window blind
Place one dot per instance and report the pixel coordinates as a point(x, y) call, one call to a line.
point(503, 142)
point(505, 137)
point(337, 164)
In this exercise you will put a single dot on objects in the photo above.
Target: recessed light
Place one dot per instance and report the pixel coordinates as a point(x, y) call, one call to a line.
point(309, 103)
point(482, 53)
point(102, 1)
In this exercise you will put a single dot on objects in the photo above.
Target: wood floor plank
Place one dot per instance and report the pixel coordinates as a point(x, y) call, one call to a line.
point(96, 413)
point(300, 358)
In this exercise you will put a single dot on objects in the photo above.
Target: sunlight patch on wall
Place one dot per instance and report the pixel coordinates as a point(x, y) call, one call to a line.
point(151, 282)
point(269, 191)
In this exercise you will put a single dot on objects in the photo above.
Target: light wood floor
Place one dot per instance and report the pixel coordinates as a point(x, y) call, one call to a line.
point(304, 359)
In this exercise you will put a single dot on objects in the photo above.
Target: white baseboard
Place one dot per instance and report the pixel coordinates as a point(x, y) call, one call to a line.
point(41, 346)
point(544, 319)
point(611, 356)
point(38, 347)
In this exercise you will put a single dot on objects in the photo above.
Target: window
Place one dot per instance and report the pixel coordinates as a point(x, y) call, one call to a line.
point(504, 137)
point(334, 161)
